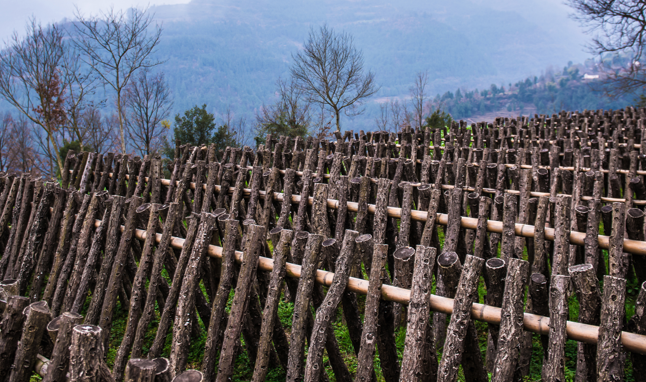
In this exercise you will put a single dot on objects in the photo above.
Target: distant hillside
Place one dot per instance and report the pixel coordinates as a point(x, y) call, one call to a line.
point(575, 87)
point(230, 53)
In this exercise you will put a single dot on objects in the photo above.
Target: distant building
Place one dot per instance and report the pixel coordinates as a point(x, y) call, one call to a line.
point(590, 76)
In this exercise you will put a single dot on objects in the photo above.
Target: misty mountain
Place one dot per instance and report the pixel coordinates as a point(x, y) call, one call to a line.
point(230, 53)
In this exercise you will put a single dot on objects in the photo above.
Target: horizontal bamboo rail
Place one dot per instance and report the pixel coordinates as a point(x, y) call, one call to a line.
point(524, 230)
point(486, 313)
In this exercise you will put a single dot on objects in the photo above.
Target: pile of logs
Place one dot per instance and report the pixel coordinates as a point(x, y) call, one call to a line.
point(221, 237)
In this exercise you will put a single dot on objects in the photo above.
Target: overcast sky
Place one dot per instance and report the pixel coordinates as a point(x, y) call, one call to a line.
point(15, 13)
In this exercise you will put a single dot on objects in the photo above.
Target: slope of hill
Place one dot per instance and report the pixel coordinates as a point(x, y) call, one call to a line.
point(230, 53)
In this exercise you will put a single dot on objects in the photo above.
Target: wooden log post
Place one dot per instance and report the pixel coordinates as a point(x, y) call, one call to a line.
point(321, 327)
point(116, 275)
point(554, 368)
point(637, 324)
point(112, 241)
point(495, 273)
point(286, 207)
point(83, 250)
point(635, 231)
point(301, 308)
point(381, 216)
point(59, 363)
point(245, 283)
point(448, 276)
point(190, 376)
point(404, 261)
point(171, 301)
point(270, 316)
point(62, 246)
point(320, 221)
point(155, 278)
point(181, 333)
point(138, 290)
point(365, 358)
point(458, 330)
point(618, 261)
point(105, 175)
point(587, 289)
point(481, 241)
point(94, 259)
point(35, 239)
point(454, 238)
point(19, 222)
point(429, 227)
point(68, 265)
point(510, 209)
point(561, 236)
point(610, 360)
point(50, 242)
point(65, 174)
point(140, 370)
point(361, 223)
point(218, 314)
point(540, 253)
point(539, 295)
point(418, 363)
point(11, 329)
point(591, 243)
point(87, 354)
point(38, 316)
point(7, 209)
point(162, 370)
point(511, 324)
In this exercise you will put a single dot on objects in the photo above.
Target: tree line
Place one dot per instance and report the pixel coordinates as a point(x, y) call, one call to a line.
point(94, 84)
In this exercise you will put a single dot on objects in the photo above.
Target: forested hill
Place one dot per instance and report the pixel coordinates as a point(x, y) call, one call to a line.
point(230, 53)
point(575, 87)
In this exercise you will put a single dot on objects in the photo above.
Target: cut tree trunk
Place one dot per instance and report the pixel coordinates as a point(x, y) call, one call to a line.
point(238, 307)
point(610, 357)
point(415, 364)
point(511, 324)
point(59, 364)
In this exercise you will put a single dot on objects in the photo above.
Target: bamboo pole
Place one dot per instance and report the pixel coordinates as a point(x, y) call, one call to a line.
point(481, 312)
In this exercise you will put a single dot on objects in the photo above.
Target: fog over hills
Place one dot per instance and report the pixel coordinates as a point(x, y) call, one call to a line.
point(230, 53)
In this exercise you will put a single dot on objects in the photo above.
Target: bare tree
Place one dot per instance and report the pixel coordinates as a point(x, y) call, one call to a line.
point(619, 27)
point(30, 80)
point(6, 129)
point(397, 115)
point(148, 101)
point(116, 44)
point(238, 127)
point(22, 154)
point(383, 120)
point(99, 132)
point(321, 123)
point(289, 116)
point(418, 97)
point(81, 84)
point(329, 70)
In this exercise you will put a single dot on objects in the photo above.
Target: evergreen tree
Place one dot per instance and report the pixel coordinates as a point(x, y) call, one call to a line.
point(197, 127)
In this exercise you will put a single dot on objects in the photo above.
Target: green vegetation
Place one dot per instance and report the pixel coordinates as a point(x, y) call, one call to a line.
point(546, 94)
point(197, 127)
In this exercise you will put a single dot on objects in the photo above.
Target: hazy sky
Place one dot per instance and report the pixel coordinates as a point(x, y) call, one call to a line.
point(15, 13)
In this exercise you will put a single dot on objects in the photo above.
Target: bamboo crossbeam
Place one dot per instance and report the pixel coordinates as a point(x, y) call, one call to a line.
point(523, 230)
point(486, 313)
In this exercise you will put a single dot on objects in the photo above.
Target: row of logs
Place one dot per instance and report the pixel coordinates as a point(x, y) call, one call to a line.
point(106, 236)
